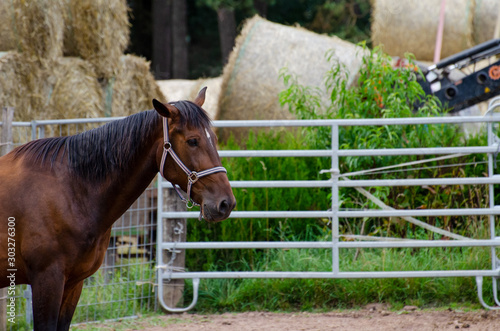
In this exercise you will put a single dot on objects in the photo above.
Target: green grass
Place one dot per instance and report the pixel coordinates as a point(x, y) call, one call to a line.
point(218, 295)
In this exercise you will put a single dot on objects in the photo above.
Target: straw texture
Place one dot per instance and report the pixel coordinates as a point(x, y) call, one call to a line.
point(97, 31)
point(35, 28)
point(251, 82)
point(485, 19)
point(184, 89)
point(411, 26)
point(133, 88)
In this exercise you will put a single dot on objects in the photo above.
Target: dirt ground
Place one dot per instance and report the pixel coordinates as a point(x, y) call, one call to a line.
point(373, 317)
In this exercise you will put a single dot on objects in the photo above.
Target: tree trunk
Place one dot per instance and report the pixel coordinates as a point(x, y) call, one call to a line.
point(162, 39)
point(180, 60)
point(227, 31)
point(261, 7)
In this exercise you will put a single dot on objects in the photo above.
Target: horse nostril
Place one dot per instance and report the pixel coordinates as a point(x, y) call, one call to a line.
point(223, 206)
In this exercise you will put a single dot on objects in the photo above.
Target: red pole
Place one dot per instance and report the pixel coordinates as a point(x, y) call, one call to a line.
point(439, 36)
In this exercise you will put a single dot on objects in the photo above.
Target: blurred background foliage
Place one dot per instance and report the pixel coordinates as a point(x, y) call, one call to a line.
point(347, 19)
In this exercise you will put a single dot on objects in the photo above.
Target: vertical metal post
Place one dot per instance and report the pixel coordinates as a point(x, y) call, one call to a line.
point(33, 130)
point(5, 147)
point(335, 199)
point(7, 118)
point(492, 139)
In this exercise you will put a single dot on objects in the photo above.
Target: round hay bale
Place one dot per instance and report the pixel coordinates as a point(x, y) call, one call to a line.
point(176, 89)
point(485, 19)
point(251, 83)
point(184, 89)
point(411, 26)
point(33, 27)
point(211, 104)
point(97, 31)
point(73, 90)
point(133, 88)
point(21, 85)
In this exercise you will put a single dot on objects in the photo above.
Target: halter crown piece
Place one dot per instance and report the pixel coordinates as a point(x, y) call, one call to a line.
point(193, 176)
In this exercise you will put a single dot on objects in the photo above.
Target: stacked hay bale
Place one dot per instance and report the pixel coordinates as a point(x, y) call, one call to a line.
point(411, 26)
point(41, 83)
point(34, 28)
point(97, 31)
point(133, 86)
point(184, 89)
point(251, 79)
point(20, 85)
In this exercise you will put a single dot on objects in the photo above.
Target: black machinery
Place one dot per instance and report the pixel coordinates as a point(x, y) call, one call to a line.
point(457, 92)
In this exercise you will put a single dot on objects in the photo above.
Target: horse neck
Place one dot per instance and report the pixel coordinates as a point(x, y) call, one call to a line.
point(124, 185)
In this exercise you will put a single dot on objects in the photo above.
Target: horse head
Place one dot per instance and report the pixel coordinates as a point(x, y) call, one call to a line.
point(188, 158)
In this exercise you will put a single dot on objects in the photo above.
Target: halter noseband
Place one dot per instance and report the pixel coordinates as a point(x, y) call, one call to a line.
point(193, 176)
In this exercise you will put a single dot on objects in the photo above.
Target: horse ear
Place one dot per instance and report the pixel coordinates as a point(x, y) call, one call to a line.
point(165, 110)
point(200, 99)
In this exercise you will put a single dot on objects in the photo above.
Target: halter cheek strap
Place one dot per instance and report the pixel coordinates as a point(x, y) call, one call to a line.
point(193, 176)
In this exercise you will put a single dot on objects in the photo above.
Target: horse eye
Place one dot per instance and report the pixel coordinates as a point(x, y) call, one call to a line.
point(192, 142)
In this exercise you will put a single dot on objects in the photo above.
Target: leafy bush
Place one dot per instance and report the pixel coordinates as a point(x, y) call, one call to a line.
point(386, 92)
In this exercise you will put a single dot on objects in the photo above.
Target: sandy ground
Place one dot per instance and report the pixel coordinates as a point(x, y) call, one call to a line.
point(373, 317)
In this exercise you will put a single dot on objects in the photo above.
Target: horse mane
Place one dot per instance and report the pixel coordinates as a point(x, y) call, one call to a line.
point(94, 154)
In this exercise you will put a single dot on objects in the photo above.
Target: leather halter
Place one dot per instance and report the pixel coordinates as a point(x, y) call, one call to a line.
point(193, 176)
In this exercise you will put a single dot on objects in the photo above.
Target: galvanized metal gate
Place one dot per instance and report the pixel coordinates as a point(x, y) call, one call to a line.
point(165, 273)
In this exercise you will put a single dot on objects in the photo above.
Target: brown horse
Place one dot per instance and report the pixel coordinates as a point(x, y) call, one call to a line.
point(59, 197)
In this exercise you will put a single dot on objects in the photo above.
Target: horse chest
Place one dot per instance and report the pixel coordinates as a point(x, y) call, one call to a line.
point(90, 256)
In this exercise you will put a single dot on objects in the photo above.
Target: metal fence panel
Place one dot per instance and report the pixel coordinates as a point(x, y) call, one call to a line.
point(335, 213)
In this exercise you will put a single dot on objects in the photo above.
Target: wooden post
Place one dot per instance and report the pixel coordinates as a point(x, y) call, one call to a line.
point(174, 231)
point(5, 147)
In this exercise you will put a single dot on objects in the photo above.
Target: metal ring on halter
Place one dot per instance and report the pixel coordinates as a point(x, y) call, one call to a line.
point(193, 177)
point(190, 204)
point(167, 145)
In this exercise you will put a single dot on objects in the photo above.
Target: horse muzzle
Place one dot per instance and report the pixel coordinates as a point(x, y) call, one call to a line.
point(219, 210)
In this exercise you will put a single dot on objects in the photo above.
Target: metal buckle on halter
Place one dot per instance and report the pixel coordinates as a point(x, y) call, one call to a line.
point(190, 204)
point(193, 177)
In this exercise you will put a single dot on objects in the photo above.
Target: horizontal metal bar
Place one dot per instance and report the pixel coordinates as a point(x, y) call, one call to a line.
point(358, 183)
point(418, 151)
point(280, 183)
point(359, 122)
point(277, 153)
point(19, 124)
point(419, 212)
point(272, 183)
point(348, 213)
point(255, 214)
point(360, 152)
point(76, 121)
point(342, 274)
point(329, 244)
point(420, 182)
